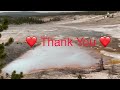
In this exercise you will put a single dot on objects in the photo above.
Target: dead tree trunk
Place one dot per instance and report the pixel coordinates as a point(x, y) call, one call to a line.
point(101, 63)
point(108, 14)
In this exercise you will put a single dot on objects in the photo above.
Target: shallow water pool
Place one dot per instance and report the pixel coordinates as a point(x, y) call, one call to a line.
point(43, 57)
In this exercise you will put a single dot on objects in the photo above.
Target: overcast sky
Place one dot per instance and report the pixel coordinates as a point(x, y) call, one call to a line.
point(39, 11)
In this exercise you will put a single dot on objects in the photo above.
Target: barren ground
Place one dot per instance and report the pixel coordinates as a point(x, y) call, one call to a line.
point(88, 26)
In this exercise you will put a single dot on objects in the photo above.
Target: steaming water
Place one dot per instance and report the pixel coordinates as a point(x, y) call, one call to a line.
point(43, 57)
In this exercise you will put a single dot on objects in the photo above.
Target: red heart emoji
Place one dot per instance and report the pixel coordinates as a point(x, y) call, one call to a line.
point(31, 41)
point(105, 40)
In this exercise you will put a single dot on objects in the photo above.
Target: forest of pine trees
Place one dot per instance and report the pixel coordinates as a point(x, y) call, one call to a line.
point(22, 20)
point(3, 24)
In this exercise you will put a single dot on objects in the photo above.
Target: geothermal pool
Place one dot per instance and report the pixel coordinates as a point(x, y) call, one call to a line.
point(43, 57)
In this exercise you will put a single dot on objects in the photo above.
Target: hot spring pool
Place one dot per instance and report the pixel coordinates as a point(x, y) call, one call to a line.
point(43, 57)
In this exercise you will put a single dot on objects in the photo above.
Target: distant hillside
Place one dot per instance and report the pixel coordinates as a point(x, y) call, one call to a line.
point(21, 14)
point(24, 13)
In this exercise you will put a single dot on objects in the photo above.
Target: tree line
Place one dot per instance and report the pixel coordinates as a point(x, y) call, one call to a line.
point(3, 24)
point(22, 20)
point(3, 54)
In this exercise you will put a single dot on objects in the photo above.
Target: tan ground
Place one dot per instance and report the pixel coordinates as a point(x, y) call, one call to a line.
point(93, 23)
